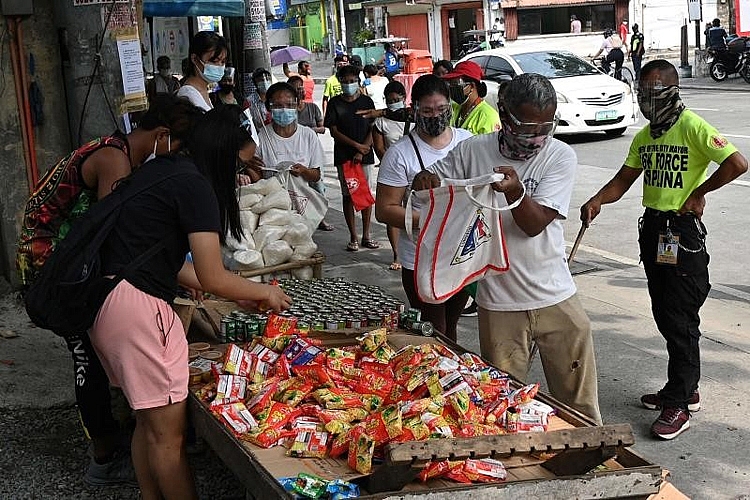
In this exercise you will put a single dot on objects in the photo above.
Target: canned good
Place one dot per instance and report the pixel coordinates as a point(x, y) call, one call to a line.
point(414, 314)
point(374, 321)
point(318, 324)
point(240, 333)
point(332, 324)
point(423, 328)
point(223, 328)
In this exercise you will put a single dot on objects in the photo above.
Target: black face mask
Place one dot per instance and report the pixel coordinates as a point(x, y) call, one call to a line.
point(457, 93)
point(434, 125)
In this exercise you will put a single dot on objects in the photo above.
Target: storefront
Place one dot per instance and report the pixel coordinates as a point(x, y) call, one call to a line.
point(546, 17)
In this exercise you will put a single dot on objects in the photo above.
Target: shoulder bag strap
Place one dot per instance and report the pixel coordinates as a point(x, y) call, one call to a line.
point(406, 127)
point(416, 150)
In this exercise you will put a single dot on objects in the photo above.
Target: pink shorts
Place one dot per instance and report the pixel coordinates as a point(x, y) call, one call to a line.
point(142, 346)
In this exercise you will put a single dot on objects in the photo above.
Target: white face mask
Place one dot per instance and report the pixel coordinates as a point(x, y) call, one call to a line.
point(156, 143)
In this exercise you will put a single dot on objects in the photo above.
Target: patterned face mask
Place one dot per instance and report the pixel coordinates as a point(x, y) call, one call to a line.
point(434, 125)
point(660, 105)
point(520, 147)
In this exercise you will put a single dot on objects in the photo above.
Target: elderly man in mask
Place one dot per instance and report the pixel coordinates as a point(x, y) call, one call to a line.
point(535, 301)
point(673, 152)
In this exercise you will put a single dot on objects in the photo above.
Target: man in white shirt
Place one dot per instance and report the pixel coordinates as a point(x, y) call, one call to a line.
point(535, 301)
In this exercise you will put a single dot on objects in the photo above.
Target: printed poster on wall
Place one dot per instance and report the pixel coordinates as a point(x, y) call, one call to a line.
point(170, 37)
point(131, 68)
point(253, 37)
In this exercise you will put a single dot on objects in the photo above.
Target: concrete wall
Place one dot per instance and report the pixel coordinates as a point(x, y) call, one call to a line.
point(52, 137)
point(660, 20)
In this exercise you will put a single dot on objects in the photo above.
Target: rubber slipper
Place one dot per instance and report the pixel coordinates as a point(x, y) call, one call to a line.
point(372, 244)
point(324, 226)
point(352, 246)
point(395, 266)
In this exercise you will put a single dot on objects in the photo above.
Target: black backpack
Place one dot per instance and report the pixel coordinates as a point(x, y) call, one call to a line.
point(70, 289)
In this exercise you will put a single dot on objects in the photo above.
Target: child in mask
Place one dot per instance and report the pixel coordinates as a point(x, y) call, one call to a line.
point(352, 136)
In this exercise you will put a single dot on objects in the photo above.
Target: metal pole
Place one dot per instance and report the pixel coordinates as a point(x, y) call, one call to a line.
point(255, 41)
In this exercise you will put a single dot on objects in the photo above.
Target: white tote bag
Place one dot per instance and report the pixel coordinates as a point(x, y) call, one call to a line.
point(461, 238)
point(306, 201)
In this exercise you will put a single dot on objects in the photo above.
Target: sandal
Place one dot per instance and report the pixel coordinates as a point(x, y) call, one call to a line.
point(324, 226)
point(352, 246)
point(395, 266)
point(368, 243)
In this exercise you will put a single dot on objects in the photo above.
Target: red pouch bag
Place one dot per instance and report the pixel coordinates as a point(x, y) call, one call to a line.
point(359, 188)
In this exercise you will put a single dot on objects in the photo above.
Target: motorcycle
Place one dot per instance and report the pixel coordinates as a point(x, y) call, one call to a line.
point(735, 58)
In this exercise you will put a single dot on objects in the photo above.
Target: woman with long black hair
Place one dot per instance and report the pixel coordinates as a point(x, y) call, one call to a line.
point(208, 57)
point(190, 206)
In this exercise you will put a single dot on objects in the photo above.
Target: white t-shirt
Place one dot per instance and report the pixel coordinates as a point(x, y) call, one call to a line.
point(392, 130)
point(302, 147)
point(376, 91)
point(539, 275)
point(194, 96)
point(398, 168)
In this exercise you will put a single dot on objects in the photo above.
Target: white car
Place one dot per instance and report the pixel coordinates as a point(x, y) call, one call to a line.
point(587, 99)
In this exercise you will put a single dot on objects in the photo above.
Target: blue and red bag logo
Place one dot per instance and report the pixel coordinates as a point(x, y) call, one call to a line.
point(476, 234)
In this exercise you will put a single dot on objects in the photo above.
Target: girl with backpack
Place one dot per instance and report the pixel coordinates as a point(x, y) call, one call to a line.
point(66, 193)
point(139, 338)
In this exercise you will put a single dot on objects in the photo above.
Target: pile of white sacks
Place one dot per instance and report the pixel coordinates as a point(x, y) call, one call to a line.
point(273, 232)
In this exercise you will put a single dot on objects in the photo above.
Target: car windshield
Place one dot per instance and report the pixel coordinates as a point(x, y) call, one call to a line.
point(554, 64)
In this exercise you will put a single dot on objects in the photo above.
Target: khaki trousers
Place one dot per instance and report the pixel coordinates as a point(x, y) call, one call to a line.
point(562, 333)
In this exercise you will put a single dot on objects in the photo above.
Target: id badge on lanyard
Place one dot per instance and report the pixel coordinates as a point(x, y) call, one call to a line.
point(668, 246)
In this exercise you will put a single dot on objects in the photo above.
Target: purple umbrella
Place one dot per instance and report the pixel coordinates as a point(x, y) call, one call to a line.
point(289, 54)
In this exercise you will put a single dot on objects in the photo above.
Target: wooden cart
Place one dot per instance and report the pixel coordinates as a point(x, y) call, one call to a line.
point(574, 459)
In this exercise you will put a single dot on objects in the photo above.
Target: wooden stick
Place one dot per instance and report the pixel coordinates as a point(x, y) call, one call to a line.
point(576, 243)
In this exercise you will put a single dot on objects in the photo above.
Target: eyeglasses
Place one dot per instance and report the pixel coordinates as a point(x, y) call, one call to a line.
point(283, 105)
point(531, 128)
point(426, 112)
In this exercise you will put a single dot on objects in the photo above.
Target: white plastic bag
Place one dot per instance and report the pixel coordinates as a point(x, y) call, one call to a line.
point(297, 234)
point(248, 221)
point(303, 273)
point(305, 200)
point(276, 252)
point(277, 199)
point(247, 260)
point(266, 234)
point(263, 187)
point(275, 217)
point(248, 200)
point(305, 250)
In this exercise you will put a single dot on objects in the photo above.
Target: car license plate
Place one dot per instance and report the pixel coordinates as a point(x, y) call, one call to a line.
point(609, 114)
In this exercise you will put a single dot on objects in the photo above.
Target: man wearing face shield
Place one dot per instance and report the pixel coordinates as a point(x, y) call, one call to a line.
point(535, 301)
point(673, 152)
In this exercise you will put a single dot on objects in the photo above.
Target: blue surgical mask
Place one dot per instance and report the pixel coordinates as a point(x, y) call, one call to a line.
point(284, 116)
point(212, 73)
point(395, 106)
point(349, 88)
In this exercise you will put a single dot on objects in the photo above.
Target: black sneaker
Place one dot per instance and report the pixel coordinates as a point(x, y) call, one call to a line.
point(653, 402)
point(471, 309)
point(118, 471)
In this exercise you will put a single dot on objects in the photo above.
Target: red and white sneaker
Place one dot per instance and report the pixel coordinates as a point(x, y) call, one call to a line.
point(671, 423)
point(653, 401)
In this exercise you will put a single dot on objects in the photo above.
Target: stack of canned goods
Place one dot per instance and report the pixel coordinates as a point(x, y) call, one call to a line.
point(322, 304)
point(239, 326)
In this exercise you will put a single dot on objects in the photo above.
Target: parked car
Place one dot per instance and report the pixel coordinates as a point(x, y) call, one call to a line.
point(587, 99)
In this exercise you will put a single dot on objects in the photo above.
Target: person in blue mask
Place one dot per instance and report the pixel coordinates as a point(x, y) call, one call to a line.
point(352, 141)
point(208, 56)
point(283, 140)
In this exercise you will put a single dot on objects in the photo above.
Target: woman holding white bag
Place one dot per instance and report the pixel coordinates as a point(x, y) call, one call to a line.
point(431, 141)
